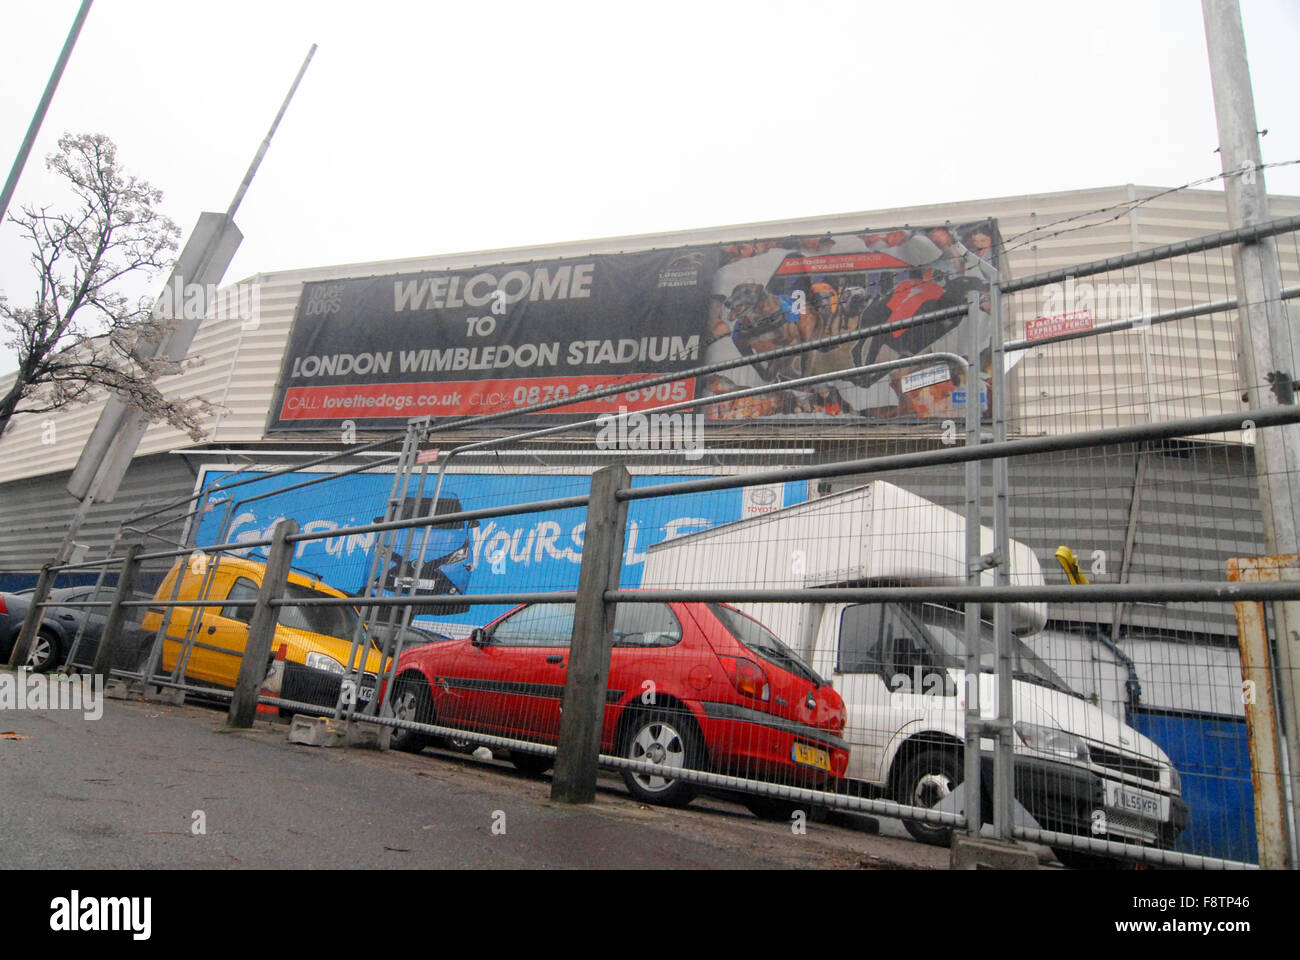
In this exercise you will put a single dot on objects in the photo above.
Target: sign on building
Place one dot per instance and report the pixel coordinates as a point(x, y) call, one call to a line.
point(451, 344)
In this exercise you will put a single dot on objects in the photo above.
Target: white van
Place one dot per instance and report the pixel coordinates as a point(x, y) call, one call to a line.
point(900, 668)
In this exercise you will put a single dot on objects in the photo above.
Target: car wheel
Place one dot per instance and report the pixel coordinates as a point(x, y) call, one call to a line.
point(533, 764)
point(410, 700)
point(925, 781)
point(44, 654)
point(459, 744)
point(670, 740)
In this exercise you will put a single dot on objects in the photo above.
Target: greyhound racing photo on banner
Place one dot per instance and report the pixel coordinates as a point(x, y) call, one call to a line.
point(378, 351)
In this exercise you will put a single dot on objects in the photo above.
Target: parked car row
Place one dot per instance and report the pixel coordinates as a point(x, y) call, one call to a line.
point(58, 629)
point(699, 686)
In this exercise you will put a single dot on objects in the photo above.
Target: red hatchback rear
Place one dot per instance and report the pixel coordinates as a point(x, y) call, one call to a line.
point(691, 686)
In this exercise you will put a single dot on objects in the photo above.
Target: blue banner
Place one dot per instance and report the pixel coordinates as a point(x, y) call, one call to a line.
point(531, 552)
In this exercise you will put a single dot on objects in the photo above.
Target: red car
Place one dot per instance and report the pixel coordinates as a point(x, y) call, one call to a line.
point(691, 685)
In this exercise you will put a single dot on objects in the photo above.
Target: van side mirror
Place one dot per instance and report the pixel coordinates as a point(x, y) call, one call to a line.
point(474, 523)
point(478, 637)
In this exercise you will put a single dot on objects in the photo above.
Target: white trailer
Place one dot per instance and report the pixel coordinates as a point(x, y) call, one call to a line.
point(900, 668)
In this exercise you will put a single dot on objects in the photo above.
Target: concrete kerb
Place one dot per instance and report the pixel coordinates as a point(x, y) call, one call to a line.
point(319, 731)
point(981, 853)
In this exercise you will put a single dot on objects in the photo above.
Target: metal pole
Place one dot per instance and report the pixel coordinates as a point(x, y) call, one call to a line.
point(1268, 356)
point(1003, 758)
point(379, 557)
point(1021, 447)
point(75, 646)
point(266, 142)
point(35, 126)
point(974, 418)
point(401, 620)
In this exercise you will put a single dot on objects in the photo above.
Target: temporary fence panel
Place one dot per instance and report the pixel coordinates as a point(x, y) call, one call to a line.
point(783, 680)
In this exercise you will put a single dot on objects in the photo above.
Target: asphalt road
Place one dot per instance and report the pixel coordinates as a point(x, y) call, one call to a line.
point(127, 791)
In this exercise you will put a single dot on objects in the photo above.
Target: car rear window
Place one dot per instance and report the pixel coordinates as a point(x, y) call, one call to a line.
point(756, 638)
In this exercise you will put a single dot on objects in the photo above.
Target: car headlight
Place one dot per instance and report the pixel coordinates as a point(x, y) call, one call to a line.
point(322, 661)
point(1175, 781)
point(1052, 740)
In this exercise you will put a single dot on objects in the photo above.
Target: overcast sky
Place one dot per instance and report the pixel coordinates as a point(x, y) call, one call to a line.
point(425, 128)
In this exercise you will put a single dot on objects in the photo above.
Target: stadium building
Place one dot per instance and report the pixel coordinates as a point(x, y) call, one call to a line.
point(301, 362)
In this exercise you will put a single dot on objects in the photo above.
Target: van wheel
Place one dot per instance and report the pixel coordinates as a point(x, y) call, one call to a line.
point(411, 701)
point(667, 739)
point(925, 781)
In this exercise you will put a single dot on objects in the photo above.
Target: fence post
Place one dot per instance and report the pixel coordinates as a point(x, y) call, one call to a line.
point(583, 713)
point(1004, 757)
point(261, 626)
point(1262, 722)
point(108, 639)
point(23, 645)
point(974, 720)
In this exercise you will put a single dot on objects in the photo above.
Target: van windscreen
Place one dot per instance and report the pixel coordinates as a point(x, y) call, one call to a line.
point(339, 622)
point(948, 629)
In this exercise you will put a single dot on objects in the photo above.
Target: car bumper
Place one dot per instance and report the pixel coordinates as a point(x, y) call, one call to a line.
point(748, 743)
point(1067, 799)
point(320, 688)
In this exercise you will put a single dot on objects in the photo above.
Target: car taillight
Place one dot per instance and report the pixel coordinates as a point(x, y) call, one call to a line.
point(747, 677)
point(3, 608)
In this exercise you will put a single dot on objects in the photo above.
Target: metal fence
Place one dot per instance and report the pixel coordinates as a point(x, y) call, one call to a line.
point(795, 616)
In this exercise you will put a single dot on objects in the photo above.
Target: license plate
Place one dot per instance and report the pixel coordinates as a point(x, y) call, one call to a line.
point(812, 757)
point(366, 693)
point(1122, 799)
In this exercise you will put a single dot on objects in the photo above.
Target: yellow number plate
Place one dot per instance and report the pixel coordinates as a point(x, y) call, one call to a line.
point(812, 757)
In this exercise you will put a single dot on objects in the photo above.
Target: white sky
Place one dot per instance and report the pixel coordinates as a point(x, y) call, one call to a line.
point(425, 128)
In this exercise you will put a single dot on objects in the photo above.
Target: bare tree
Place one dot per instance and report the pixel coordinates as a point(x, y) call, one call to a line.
point(80, 337)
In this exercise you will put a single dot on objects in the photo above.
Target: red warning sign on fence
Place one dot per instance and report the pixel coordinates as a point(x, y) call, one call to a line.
point(1040, 328)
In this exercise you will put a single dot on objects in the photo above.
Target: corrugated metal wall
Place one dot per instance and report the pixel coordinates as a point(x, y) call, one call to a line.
point(1198, 507)
point(1195, 511)
point(1055, 389)
point(34, 513)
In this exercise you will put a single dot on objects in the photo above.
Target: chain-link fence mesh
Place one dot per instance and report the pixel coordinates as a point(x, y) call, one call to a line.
point(1125, 720)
